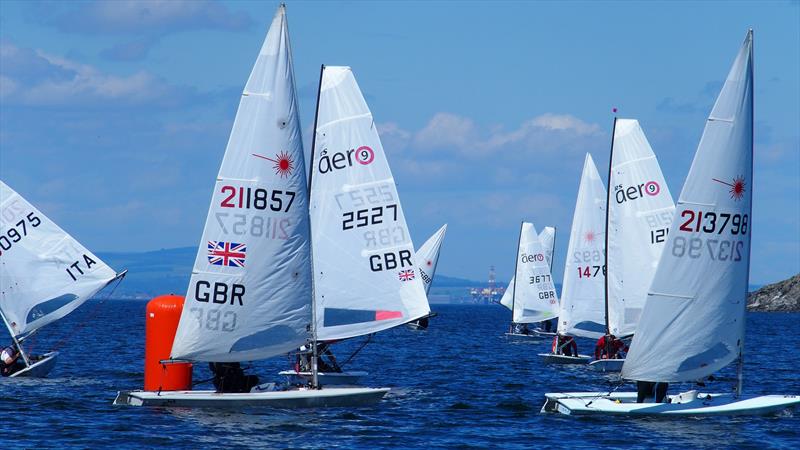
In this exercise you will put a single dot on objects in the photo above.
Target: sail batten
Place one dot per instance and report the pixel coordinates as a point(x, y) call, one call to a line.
point(694, 318)
point(249, 296)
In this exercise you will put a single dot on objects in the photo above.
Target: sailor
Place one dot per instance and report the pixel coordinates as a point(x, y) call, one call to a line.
point(10, 358)
point(565, 345)
point(609, 347)
point(646, 389)
point(229, 377)
point(326, 362)
point(548, 325)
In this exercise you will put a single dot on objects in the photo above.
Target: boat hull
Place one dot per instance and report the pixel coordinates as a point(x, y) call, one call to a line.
point(703, 404)
point(39, 369)
point(550, 358)
point(524, 336)
point(607, 365)
point(296, 398)
point(325, 379)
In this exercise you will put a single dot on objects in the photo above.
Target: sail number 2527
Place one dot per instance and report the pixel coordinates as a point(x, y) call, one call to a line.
point(256, 198)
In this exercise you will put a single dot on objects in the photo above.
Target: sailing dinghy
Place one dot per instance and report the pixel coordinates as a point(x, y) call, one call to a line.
point(366, 276)
point(532, 292)
point(428, 258)
point(693, 322)
point(639, 210)
point(547, 240)
point(45, 274)
point(581, 307)
point(254, 261)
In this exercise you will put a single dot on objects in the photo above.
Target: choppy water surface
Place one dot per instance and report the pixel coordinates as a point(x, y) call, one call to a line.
point(460, 384)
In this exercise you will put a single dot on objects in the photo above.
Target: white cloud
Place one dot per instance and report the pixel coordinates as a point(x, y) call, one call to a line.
point(446, 130)
point(35, 77)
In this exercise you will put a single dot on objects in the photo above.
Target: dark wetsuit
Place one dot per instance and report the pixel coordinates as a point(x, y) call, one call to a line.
point(645, 389)
point(229, 377)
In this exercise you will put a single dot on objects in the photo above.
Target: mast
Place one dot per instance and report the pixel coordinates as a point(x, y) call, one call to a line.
point(516, 265)
point(16, 342)
point(740, 365)
point(608, 200)
point(314, 369)
point(553, 252)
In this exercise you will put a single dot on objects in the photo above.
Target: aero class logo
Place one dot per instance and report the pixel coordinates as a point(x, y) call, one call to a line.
point(363, 155)
point(622, 195)
point(737, 187)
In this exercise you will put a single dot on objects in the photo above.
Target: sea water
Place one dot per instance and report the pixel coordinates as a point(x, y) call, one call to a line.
point(460, 384)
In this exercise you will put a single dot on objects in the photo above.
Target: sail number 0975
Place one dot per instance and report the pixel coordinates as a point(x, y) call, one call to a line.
point(16, 233)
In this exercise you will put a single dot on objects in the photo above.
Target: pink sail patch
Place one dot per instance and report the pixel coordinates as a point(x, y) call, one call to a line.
point(388, 315)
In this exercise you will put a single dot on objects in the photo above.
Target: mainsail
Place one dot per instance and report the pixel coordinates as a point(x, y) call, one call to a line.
point(548, 240)
point(365, 275)
point(582, 308)
point(250, 292)
point(428, 257)
point(534, 298)
point(640, 211)
point(693, 321)
point(45, 273)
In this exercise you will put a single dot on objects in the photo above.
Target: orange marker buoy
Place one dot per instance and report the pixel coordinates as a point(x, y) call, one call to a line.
point(161, 324)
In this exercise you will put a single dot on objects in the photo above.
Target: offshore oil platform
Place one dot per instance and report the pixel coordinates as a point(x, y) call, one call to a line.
point(488, 294)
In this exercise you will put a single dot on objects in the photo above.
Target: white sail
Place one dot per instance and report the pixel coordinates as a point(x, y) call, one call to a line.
point(639, 216)
point(250, 292)
point(534, 297)
point(45, 273)
point(693, 321)
point(428, 257)
point(582, 311)
point(365, 274)
point(548, 240)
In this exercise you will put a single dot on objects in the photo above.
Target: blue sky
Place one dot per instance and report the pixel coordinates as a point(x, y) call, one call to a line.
point(114, 115)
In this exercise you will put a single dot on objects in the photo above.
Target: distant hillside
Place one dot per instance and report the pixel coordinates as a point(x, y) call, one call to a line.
point(781, 296)
point(167, 271)
point(152, 273)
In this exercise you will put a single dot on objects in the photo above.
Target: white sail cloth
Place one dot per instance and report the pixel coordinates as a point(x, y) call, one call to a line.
point(639, 216)
point(428, 257)
point(45, 273)
point(582, 308)
point(548, 240)
point(534, 298)
point(250, 292)
point(365, 274)
point(694, 319)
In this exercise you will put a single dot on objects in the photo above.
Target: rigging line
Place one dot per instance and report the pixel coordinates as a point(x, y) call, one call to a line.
point(94, 311)
point(369, 338)
point(620, 383)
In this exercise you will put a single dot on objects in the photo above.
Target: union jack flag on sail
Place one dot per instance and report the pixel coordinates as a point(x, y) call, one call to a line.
point(406, 275)
point(221, 253)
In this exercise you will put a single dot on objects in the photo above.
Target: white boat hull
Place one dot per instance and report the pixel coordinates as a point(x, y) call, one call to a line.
point(607, 365)
point(39, 369)
point(624, 404)
point(325, 378)
point(542, 333)
point(295, 398)
point(550, 358)
point(521, 335)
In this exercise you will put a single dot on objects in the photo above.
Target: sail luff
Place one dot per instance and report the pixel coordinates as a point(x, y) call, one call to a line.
point(693, 321)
